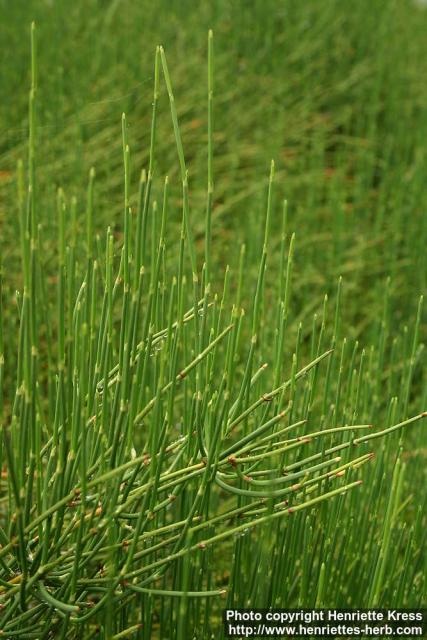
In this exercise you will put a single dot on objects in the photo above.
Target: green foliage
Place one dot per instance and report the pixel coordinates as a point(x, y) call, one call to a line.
point(179, 434)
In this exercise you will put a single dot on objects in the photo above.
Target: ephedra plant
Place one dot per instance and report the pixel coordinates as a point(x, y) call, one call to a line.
point(155, 469)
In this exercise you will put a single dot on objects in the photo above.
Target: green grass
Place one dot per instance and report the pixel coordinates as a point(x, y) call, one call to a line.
point(187, 417)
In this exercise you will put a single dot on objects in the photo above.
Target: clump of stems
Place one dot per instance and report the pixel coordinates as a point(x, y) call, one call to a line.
point(145, 431)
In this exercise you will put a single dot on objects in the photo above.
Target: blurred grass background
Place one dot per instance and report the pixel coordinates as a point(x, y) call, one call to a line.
point(332, 91)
